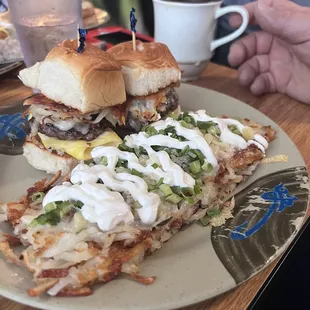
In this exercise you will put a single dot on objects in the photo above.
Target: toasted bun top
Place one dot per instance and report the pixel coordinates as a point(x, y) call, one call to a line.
point(148, 55)
point(91, 58)
point(87, 81)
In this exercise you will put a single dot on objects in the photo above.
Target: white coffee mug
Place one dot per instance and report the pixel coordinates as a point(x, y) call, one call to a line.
point(188, 29)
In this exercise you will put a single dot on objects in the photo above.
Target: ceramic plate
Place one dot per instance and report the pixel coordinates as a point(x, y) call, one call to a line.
point(198, 263)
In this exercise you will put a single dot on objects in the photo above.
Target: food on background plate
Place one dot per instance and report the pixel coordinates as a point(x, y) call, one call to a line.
point(10, 50)
point(125, 203)
point(89, 14)
point(79, 94)
point(151, 74)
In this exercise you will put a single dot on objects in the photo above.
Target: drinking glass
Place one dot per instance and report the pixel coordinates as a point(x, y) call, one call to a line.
point(41, 25)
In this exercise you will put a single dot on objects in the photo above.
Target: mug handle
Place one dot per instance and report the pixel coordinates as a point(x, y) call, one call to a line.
point(237, 33)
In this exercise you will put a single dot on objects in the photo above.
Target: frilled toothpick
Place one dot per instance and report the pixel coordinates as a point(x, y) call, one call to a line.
point(81, 39)
point(133, 22)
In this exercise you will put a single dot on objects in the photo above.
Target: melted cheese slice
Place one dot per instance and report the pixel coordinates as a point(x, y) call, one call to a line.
point(80, 149)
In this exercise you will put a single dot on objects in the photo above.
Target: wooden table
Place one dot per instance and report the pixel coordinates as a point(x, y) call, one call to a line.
point(292, 116)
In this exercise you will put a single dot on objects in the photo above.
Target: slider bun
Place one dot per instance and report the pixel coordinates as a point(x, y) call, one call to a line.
point(146, 70)
point(41, 159)
point(88, 82)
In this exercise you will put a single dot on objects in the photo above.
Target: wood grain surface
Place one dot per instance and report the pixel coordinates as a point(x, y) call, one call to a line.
point(292, 116)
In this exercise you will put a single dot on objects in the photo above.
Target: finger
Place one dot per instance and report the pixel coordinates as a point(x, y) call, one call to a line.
point(253, 9)
point(263, 84)
point(235, 19)
point(282, 18)
point(256, 43)
point(249, 71)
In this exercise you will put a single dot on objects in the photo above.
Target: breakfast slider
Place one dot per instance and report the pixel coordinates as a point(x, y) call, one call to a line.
point(151, 74)
point(79, 95)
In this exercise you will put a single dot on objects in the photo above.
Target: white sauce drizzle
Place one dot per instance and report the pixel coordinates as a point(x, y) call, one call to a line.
point(101, 206)
point(171, 173)
point(195, 137)
point(226, 135)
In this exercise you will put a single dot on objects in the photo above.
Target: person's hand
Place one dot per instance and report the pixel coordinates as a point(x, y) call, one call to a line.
point(276, 59)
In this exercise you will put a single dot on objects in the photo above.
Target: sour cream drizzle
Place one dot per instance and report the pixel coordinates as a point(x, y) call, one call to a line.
point(226, 135)
point(101, 206)
point(171, 173)
point(195, 137)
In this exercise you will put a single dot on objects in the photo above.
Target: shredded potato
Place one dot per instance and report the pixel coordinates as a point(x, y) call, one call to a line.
point(281, 158)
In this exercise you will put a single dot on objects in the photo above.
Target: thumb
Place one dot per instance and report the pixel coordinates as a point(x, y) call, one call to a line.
point(283, 19)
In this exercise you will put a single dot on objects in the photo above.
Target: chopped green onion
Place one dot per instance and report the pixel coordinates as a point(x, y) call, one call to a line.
point(189, 199)
point(166, 189)
point(137, 173)
point(136, 205)
point(51, 218)
point(122, 163)
point(125, 148)
point(158, 148)
point(214, 130)
point(64, 208)
point(140, 151)
point(185, 150)
point(103, 161)
point(88, 162)
point(50, 206)
point(204, 221)
point(155, 165)
point(174, 152)
point(150, 130)
point(199, 183)
point(200, 156)
point(78, 204)
point(38, 196)
point(214, 212)
point(192, 154)
point(234, 129)
point(177, 189)
point(186, 125)
point(190, 120)
point(54, 212)
point(173, 114)
point(205, 125)
point(195, 167)
point(197, 189)
point(187, 191)
point(174, 198)
point(207, 167)
point(160, 182)
point(152, 186)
